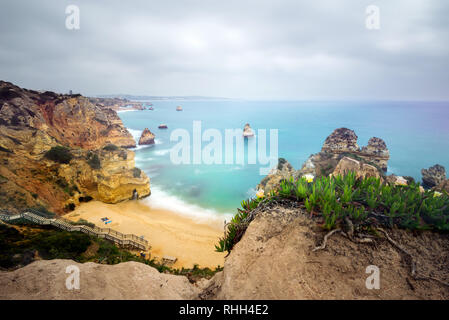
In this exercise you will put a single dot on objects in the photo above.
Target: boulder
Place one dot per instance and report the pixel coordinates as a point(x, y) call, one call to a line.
point(433, 176)
point(147, 137)
point(247, 131)
point(361, 169)
point(397, 180)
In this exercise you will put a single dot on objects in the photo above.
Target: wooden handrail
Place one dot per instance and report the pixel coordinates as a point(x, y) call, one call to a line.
point(62, 223)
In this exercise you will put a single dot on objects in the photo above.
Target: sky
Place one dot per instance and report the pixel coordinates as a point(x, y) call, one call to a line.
point(277, 49)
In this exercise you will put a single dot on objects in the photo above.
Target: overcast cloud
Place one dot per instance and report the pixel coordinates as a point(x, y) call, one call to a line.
point(278, 49)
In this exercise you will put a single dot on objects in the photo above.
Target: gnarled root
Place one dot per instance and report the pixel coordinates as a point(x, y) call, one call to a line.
point(323, 246)
point(412, 261)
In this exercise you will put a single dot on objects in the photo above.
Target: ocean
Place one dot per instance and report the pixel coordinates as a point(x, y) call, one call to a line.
point(416, 134)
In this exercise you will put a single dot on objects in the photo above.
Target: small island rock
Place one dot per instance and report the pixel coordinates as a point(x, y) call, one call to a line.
point(247, 131)
point(147, 137)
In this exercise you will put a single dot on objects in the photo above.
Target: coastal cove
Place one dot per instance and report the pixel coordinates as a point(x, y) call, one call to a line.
point(413, 131)
point(169, 234)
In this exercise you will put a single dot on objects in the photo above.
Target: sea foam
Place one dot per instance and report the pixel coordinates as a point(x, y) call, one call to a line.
point(160, 199)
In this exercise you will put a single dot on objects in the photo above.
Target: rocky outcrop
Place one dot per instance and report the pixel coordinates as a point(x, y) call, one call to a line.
point(343, 143)
point(284, 170)
point(360, 169)
point(443, 187)
point(341, 140)
point(113, 179)
point(376, 152)
point(46, 279)
point(247, 131)
point(433, 176)
point(31, 123)
point(274, 260)
point(147, 137)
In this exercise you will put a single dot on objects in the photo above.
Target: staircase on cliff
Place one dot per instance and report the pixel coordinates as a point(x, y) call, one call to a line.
point(120, 239)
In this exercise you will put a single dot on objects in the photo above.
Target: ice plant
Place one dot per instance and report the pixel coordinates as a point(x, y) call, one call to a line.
point(260, 194)
point(309, 177)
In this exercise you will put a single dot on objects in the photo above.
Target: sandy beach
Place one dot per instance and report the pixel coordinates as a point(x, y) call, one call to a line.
point(168, 233)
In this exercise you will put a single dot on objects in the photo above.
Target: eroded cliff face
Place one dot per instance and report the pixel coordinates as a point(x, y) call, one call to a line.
point(31, 123)
point(113, 178)
point(46, 279)
point(275, 260)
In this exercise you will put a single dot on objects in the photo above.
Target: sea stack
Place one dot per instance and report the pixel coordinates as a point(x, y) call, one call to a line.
point(341, 143)
point(247, 131)
point(147, 137)
point(178, 108)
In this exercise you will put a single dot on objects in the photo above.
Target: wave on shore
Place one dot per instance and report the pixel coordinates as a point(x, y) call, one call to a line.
point(162, 200)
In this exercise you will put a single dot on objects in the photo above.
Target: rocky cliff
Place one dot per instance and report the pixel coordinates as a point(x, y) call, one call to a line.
point(32, 123)
point(275, 260)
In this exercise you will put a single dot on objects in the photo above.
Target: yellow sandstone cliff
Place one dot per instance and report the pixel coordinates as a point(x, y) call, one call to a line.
point(32, 123)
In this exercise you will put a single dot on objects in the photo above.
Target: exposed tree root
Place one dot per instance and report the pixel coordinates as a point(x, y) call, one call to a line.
point(323, 246)
point(365, 239)
point(412, 261)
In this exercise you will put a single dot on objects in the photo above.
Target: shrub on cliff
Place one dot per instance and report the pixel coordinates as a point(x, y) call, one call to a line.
point(110, 147)
point(364, 202)
point(136, 172)
point(59, 154)
point(94, 161)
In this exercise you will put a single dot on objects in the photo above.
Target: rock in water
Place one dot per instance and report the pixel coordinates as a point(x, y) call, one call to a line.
point(343, 143)
point(147, 137)
point(341, 140)
point(433, 176)
point(178, 108)
point(247, 131)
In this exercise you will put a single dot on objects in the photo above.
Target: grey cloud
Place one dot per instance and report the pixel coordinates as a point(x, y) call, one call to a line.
point(287, 49)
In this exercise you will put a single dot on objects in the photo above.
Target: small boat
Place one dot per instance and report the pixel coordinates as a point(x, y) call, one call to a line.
point(163, 126)
point(178, 108)
point(150, 108)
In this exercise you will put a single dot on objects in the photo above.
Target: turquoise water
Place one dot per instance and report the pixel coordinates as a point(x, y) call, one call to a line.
point(415, 132)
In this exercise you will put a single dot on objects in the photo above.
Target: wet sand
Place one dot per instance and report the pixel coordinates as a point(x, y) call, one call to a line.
point(168, 233)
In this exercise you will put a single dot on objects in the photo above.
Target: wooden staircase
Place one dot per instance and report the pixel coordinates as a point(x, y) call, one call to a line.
point(120, 239)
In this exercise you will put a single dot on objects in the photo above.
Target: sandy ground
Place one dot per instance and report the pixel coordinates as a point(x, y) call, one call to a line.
point(168, 233)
